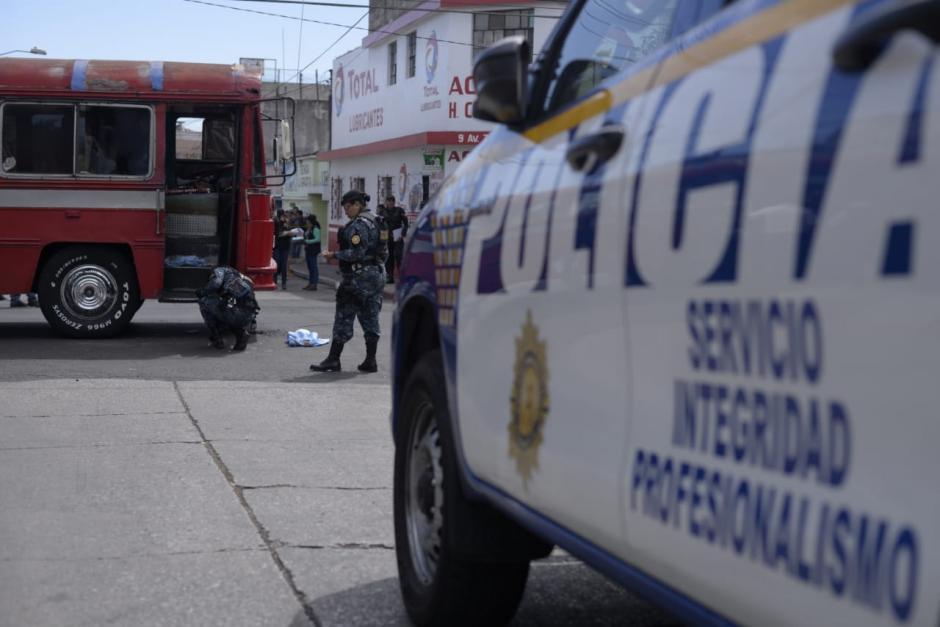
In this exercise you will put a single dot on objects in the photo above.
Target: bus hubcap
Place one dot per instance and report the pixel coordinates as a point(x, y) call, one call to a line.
point(88, 291)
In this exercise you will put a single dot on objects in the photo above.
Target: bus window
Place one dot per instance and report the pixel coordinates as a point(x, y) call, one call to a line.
point(113, 140)
point(205, 139)
point(37, 139)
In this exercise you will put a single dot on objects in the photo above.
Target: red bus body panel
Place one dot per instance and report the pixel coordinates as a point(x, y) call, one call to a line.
point(40, 214)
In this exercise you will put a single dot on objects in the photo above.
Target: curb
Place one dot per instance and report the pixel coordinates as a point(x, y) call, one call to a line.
point(388, 293)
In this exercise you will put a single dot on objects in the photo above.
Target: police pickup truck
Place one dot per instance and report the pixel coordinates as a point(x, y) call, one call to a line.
point(679, 314)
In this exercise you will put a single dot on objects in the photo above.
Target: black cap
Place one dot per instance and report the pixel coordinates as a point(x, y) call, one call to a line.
point(354, 195)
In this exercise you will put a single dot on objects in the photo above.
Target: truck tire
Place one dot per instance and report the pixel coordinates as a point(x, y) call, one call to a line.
point(438, 586)
point(88, 291)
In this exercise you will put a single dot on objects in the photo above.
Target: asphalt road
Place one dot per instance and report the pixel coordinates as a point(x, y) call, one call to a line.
point(168, 342)
point(152, 480)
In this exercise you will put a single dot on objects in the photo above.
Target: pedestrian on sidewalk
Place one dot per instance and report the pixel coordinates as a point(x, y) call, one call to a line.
point(296, 222)
point(397, 223)
point(362, 252)
point(312, 251)
point(282, 241)
point(32, 300)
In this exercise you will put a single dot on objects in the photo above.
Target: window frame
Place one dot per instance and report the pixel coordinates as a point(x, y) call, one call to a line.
point(526, 13)
point(75, 175)
point(411, 66)
point(543, 67)
point(393, 62)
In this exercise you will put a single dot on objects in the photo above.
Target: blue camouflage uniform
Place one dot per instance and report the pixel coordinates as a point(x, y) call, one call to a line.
point(362, 264)
point(227, 302)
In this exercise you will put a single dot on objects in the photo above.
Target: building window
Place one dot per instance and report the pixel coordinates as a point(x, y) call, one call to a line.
point(412, 53)
point(336, 212)
point(425, 189)
point(385, 188)
point(358, 183)
point(392, 63)
point(492, 26)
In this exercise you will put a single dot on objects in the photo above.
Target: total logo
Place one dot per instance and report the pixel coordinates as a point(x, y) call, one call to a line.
point(431, 56)
point(339, 87)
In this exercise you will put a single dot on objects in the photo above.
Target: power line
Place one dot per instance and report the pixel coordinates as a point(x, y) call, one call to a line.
point(291, 17)
point(320, 56)
point(323, 3)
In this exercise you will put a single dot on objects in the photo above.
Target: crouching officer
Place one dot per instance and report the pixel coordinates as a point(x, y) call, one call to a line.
point(363, 248)
point(227, 304)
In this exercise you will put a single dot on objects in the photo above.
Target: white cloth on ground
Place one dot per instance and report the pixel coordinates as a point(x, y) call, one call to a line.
point(303, 337)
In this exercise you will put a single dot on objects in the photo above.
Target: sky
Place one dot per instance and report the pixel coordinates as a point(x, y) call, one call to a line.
point(177, 30)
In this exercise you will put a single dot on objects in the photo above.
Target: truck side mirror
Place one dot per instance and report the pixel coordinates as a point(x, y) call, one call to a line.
point(500, 76)
point(287, 146)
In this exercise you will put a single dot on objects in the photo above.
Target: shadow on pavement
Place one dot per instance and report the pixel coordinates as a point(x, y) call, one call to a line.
point(333, 377)
point(562, 593)
point(141, 341)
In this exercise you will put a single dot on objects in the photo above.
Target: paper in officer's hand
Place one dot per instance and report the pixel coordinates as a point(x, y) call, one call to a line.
point(396, 234)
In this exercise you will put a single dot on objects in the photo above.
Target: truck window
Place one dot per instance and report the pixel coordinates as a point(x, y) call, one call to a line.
point(37, 138)
point(205, 139)
point(113, 140)
point(605, 38)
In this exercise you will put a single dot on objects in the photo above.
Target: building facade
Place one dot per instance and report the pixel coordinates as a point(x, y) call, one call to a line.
point(402, 102)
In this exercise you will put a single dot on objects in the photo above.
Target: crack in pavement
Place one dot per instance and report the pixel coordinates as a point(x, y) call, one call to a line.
point(342, 545)
point(59, 416)
point(94, 445)
point(108, 558)
point(312, 487)
point(270, 544)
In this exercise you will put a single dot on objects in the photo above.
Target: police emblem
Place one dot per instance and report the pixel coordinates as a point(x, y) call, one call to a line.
point(355, 239)
point(529, 401)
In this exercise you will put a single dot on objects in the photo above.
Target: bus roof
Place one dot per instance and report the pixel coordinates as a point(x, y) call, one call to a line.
point(116, 78)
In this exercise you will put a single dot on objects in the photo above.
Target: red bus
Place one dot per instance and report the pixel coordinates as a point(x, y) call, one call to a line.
point(124, 180)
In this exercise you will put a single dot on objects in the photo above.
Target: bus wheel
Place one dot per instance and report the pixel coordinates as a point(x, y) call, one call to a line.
point(88, 291)
point(438, 585)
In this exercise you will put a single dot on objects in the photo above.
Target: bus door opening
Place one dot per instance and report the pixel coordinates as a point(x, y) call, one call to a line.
point(201, 196)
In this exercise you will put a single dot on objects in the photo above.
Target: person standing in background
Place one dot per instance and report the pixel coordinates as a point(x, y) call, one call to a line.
point(397, 223)
point(32, 300)
point(282, 242)
point(312, 249)
point(297, 222)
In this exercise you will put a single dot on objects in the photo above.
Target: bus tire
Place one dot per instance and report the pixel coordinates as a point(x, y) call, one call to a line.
point(440, 586)
point(88, 291)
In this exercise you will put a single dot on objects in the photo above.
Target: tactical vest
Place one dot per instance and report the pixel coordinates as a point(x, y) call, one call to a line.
point(380, 255)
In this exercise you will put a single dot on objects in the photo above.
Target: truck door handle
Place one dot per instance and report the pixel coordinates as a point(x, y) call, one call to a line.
point(586, 153)
point(861, 44)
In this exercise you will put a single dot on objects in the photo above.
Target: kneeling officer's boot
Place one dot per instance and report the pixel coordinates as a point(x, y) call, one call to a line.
point(241, 340)
point(369, 364)
point(216, 341)
point(331, 363)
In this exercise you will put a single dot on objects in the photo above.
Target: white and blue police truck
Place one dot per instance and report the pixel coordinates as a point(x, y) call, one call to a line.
point(679, 315)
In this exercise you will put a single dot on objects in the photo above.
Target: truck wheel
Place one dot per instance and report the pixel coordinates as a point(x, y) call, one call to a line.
point(88, 292)
point(438, 587)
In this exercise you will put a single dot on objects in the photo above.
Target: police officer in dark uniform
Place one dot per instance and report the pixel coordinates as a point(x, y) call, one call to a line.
point(363, 248)
point(227, 304)
point(396, 219)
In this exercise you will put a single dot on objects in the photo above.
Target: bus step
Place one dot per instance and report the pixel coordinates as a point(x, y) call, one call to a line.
point(178, 296)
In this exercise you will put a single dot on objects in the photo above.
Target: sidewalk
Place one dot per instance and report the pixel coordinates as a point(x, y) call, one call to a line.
point(329, 275)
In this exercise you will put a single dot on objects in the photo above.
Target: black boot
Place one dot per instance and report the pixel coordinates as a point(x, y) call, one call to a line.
point(331, 363)
point(369, 364)
point(216, 341)
point(241, 340)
